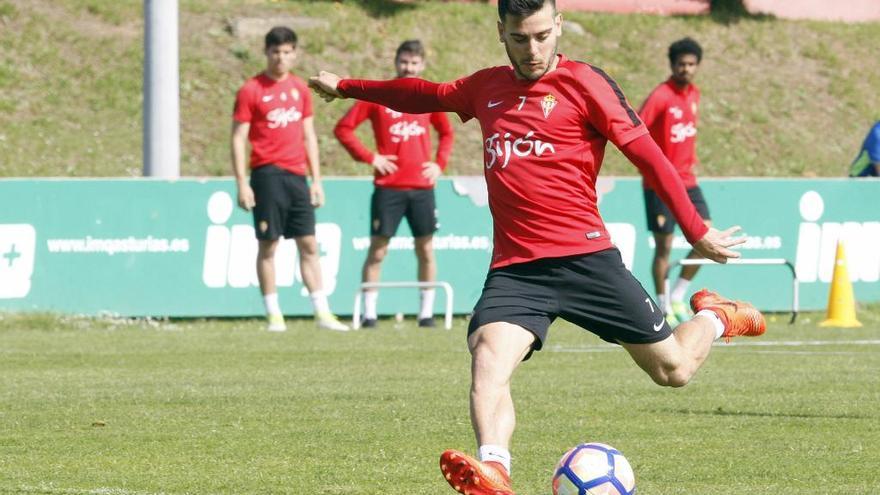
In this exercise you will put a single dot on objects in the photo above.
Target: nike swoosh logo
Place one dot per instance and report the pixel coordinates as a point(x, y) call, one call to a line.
point(268, 98)
point(658, 326)
point(493, 103)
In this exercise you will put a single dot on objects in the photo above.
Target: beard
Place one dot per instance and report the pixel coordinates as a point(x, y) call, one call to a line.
point(531, 76)
point(682, 79)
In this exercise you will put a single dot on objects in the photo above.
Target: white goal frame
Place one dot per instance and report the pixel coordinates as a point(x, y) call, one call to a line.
point(447, 289)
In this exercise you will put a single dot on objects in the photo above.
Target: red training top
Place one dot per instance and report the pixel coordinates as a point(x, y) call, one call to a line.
point(544, 142)
point(404, 135)
point(275, 110)
point(670, 112)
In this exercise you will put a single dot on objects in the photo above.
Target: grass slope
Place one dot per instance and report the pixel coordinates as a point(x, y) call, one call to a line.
point(780, 98)
point(193, 407)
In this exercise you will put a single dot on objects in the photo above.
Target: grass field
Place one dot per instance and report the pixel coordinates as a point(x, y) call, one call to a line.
point(780, 98)
point(195, 407)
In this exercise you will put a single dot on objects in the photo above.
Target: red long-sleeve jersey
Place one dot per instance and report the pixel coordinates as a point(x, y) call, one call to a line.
point(544, 142)
point(403, 135)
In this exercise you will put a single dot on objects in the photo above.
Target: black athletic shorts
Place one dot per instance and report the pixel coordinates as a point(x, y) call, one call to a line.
point(388, 206)
point(284, 204)
point(594, 291)
point(660, 218)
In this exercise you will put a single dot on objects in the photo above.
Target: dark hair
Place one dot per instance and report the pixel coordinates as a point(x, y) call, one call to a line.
point(685, 46)
point(522, 8)
point(413, 47)
point(280, 35)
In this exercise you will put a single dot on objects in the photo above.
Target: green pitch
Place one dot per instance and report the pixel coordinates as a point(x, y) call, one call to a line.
point(197, 407)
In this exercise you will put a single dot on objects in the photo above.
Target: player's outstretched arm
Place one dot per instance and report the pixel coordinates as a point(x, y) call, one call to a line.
point(711, 243)
point(404, 94)
point(325, 85)
point(644, 153)
point(716, 244)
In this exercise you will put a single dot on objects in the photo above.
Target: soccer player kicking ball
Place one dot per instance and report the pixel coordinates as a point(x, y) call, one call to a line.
point(404, 179)
point(670, 113)
point(545, 122)
point(273, 110)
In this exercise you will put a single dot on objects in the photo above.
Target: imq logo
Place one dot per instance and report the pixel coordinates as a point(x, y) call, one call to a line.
point(231, 252)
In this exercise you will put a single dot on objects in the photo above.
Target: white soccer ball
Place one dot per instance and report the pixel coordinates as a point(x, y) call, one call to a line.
point(593, 469)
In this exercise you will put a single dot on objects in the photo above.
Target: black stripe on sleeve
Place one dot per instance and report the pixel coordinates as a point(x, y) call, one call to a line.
point(633, 116)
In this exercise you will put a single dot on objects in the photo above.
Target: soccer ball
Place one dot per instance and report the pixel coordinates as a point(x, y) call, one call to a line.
point(593, 469)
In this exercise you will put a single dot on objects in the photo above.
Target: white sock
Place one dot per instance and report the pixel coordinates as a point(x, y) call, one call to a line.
point(370, 298)
point(427, 309)
point(496, 454)
point(271, 303)
point(716, 321)
point(319, 301)
point(680, 289)
point(661, 300)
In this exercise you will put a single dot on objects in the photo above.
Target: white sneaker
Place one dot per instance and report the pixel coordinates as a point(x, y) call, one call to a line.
point(329, 321)
point(276, 323)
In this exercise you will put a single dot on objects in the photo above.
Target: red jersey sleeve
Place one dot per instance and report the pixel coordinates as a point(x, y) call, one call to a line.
point(405, 94)
point(344, 132)
point(644, 153)
point(445, 138)
point(414, 95)
point(458, 95)
point(242, 111)
point(608, 110)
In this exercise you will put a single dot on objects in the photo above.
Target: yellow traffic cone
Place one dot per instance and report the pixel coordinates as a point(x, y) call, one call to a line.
point(841, 303)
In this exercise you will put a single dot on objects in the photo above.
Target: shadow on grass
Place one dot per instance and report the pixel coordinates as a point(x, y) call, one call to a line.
point(757, 414)
point(729, 12)
point(379, 8)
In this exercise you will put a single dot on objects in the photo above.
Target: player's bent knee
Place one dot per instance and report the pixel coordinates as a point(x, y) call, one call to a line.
point(675, 377)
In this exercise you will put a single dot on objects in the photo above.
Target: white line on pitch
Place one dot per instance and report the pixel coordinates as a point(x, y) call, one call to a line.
point(809, 353)
point(799, 343)
point(52, 490)
point(760, 343)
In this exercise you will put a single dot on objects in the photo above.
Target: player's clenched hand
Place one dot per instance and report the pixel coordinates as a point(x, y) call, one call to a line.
point(431, 171)
point(384, 164)
point(716, 244)
point(316, 191)
point(325, 84)
point(246, 197)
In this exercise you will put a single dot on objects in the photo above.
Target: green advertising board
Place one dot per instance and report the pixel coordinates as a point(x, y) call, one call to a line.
point(139, 247)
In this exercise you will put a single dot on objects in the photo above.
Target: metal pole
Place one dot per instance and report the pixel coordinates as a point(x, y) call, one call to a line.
point(161, 147)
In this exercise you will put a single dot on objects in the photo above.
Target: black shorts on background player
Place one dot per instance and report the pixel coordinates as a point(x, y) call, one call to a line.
point(594, 291)
point(283, 204)
point(656, 210)
point(388, 206)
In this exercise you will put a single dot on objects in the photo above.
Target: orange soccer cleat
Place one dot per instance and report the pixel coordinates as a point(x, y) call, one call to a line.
point(469, 476)
point(739, 318)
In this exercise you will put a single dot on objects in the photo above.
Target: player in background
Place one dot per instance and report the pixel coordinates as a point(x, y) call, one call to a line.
point(273, 110)
point(404, 177)
point(670, 113)
point(545, 121)
point(867, 164)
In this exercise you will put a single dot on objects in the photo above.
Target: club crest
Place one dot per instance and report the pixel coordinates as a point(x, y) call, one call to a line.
point(547, 105)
